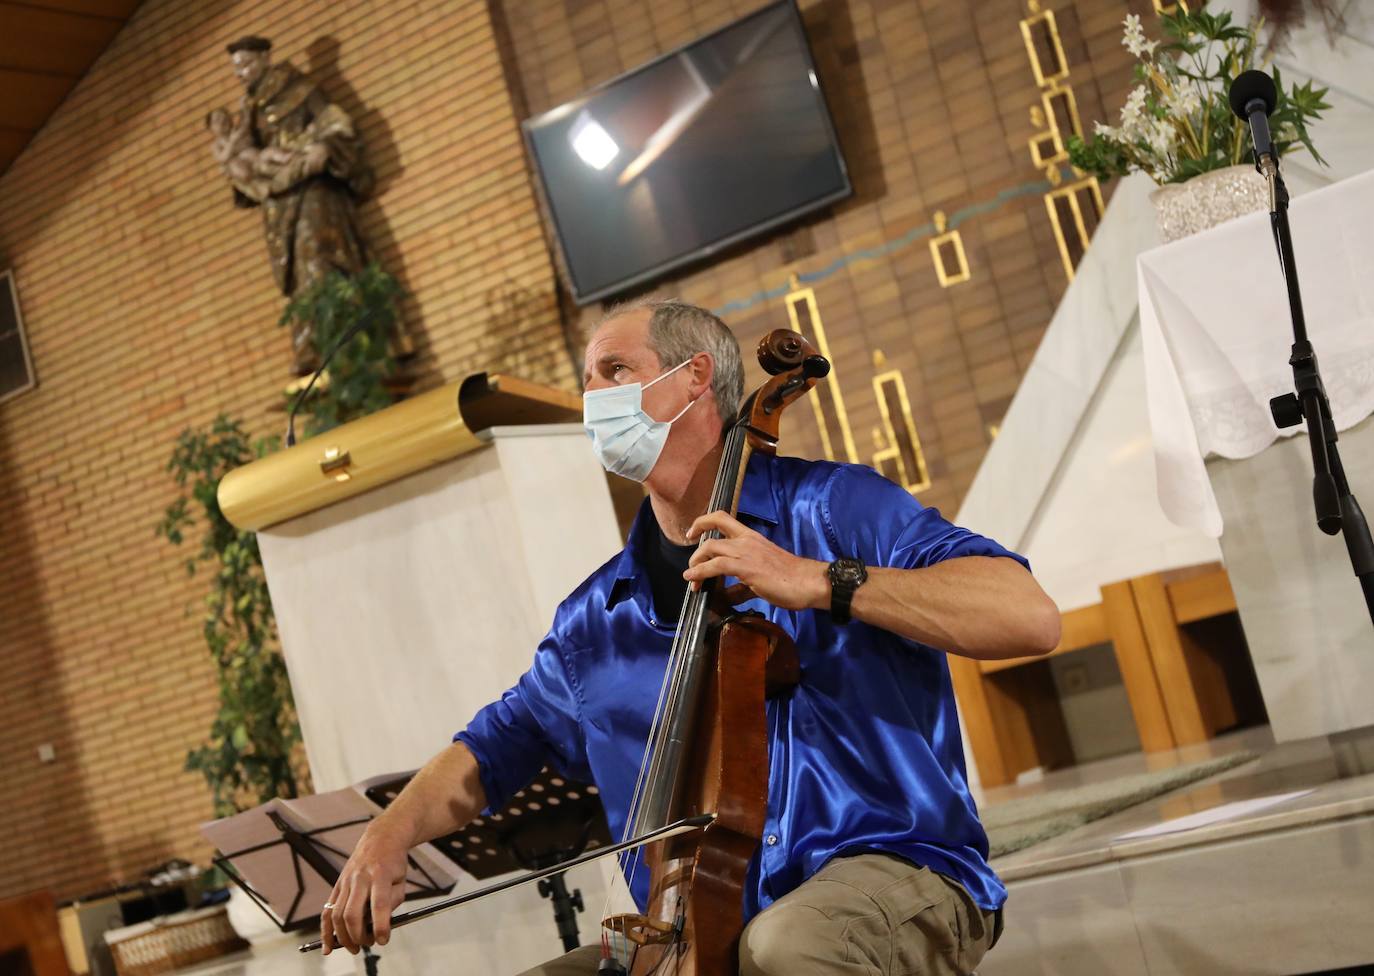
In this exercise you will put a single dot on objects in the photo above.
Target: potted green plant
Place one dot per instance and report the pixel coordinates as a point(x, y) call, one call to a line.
point(1178, 128)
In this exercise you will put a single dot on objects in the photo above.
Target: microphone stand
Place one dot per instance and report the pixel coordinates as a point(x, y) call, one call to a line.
point(1336, 507)
point(358, 326)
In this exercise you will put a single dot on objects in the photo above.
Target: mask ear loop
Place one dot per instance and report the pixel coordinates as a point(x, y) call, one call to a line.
point(667, 374)
point(664, 377)
point(689, 406)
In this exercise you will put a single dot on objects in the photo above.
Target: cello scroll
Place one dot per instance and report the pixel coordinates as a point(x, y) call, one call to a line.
point(794, 365)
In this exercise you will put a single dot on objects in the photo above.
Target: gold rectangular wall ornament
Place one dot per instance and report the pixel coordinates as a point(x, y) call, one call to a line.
point(1043, 155)
point(827, 399)
point(1066, 205)
point(887, 461)
point(1060, 106)
point(1041, 26)
point(1047, 146)
point(897, 455)
point(947, 251)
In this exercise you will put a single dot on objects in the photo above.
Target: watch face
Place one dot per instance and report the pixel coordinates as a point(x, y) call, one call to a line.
point(847, 571)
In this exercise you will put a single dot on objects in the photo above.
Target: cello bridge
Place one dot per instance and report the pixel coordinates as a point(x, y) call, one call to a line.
point(641, 929)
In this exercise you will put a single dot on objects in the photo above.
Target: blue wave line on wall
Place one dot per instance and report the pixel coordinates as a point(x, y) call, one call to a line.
point(887, 247)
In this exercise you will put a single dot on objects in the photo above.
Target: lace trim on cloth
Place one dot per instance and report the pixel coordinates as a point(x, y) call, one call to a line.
point(1235, 422)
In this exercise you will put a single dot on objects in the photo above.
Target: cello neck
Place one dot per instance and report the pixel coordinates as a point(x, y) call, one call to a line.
point(670, 739)
point(794, 366)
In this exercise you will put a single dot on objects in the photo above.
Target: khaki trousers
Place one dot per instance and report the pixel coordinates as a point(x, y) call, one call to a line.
point(869, 914)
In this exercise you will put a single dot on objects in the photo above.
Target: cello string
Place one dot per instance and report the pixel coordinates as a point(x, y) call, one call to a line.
point(650, 769)
point(673, 674)
point(693, 615)
point(632, 814)
point(656, 771)
point(629, 869)
point(672, 678)
point(667, 690)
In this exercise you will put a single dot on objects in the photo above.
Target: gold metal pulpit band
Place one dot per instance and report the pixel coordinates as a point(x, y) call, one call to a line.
point(385, 446)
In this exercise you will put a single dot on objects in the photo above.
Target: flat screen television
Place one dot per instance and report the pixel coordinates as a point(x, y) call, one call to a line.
point(718, 141)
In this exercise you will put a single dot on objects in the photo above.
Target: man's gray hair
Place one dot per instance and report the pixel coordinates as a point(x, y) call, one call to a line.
point(678, 331)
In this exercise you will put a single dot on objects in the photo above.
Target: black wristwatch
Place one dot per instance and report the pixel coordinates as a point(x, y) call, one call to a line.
point(846, 576)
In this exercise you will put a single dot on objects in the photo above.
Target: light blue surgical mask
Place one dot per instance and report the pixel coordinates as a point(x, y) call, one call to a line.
point(625, 438)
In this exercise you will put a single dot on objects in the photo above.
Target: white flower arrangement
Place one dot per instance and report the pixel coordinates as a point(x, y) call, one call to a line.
point(1177, 122)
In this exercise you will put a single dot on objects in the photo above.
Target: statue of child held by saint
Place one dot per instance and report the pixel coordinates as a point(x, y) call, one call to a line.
point(261, 173)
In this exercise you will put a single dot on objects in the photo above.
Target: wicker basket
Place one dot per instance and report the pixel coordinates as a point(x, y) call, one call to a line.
point(166, 944)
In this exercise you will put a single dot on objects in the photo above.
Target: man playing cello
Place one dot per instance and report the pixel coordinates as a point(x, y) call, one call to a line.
point(873, 859)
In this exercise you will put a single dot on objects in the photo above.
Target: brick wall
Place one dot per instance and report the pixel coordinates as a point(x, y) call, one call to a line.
point(150, 307)
point(931, 99)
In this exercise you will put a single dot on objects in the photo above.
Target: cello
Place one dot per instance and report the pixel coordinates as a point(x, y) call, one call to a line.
point(700, 800)
point(707, 751)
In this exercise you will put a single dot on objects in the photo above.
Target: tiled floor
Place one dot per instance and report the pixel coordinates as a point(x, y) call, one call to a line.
point(1286, 890)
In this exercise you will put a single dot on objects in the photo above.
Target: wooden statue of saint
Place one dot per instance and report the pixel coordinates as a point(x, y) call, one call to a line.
point(295, 155)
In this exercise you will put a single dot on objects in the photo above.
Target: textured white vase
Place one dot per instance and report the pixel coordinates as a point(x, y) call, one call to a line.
point(1207, 200)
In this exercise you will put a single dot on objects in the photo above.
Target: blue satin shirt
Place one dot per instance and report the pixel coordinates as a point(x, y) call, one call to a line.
point(865, 755)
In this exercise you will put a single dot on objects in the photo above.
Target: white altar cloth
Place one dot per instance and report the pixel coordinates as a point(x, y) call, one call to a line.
point(1216, 330)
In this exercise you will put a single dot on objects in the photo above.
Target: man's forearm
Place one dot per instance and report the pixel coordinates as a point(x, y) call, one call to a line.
point(976, 606)
point(443, 797)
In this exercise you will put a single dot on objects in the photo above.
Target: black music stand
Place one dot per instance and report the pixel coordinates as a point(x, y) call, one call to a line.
point(308, 854)
point(553, 819)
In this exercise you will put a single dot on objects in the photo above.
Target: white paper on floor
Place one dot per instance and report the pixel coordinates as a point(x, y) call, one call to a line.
point(1226, 811)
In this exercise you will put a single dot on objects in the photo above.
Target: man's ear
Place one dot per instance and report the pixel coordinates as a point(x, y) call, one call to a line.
point(703, 370)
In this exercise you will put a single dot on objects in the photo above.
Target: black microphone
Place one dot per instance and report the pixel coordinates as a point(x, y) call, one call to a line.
point(1253, 97)
point(349, 333)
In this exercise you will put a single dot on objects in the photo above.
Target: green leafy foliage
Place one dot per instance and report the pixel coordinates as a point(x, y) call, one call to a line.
point(1177, 122)
point(359, 370)
point(250, 756)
